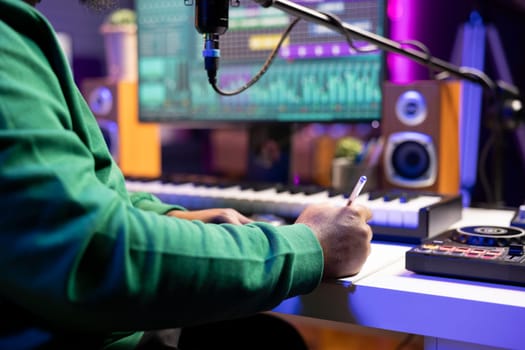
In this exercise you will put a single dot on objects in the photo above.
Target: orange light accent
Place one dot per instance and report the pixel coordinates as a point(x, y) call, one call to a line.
point(448, 171)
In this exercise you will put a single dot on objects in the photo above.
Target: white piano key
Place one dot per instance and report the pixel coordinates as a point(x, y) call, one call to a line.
point(394, 213)
point(411, 209)
point(379, 210)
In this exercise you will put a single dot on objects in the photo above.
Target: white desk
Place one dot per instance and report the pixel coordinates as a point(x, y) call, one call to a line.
point(450, 313)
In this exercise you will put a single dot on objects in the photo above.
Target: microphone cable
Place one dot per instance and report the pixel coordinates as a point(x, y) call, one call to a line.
point(212, 73)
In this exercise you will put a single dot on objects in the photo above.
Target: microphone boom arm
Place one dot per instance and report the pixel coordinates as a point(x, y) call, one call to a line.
point(386, 44)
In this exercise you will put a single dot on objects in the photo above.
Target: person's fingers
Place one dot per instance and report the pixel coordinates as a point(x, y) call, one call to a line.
point(244, 220)
point(364, 212)
point(232, 216)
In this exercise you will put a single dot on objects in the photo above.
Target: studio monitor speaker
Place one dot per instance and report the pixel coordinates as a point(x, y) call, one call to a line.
point(135, 146)
point(420, 126)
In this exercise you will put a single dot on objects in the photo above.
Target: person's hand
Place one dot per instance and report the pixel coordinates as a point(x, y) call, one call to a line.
point(215, 215)
point(344, 236)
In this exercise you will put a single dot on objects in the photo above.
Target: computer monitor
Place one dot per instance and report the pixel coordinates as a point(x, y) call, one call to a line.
point(315, 78)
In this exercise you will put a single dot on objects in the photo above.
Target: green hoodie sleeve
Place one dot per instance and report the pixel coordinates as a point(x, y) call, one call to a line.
point(147, 201)
point(78, 252)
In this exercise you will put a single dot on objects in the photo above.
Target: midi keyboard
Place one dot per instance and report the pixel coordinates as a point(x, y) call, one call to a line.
point(397, 215)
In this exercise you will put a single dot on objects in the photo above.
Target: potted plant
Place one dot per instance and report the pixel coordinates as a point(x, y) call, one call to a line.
point(346, 167)
point(348, 148)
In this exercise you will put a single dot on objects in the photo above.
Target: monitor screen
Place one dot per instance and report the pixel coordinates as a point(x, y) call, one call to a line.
point(316, 77)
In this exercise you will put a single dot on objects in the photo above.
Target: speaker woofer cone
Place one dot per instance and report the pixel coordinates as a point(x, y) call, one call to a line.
point(410, 160)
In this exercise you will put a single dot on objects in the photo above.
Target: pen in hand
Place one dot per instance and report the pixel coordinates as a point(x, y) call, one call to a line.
point(357, 189)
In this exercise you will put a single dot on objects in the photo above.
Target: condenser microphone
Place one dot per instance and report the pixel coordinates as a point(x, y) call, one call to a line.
point(211, 16)
point(211, 20)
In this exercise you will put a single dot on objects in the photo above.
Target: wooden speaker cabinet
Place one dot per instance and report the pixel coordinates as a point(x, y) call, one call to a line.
point(420, 126)
point(135, 146)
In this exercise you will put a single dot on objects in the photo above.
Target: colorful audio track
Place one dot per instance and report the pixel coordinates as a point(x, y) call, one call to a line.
point(297, 92)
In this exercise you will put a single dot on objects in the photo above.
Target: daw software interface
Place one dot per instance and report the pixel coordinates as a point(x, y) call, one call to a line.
point(316, 77)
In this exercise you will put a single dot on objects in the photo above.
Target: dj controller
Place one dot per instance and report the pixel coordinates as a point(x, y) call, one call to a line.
point(486, 253)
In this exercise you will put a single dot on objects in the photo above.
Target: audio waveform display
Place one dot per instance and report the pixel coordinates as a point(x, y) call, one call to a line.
point(316, 76)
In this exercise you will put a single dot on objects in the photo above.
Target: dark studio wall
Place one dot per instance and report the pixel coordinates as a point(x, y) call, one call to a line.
point(508, 18)
point(82, 25)
point(500, 175)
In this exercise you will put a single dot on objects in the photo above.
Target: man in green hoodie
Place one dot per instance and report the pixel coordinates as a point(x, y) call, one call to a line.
point(86, 265)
